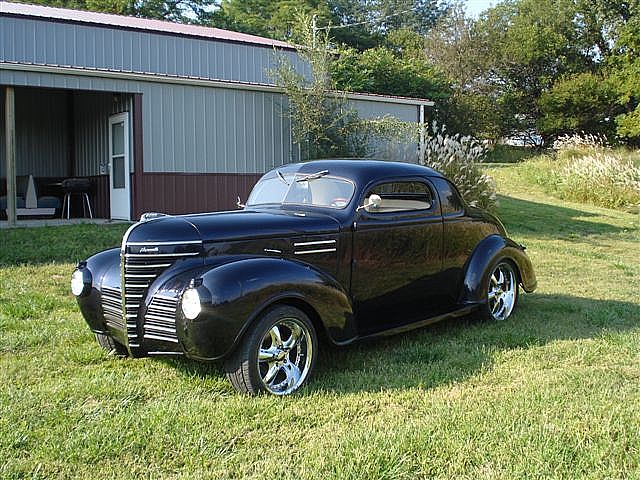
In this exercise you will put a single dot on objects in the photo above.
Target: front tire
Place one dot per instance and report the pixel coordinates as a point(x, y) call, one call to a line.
point(276, 356)
point(111, 346)
point(502, 291)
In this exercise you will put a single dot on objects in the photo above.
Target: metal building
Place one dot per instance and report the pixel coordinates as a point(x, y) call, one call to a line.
point(158, 116)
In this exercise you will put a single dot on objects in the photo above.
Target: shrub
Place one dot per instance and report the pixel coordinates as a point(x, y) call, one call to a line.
point(458, 158)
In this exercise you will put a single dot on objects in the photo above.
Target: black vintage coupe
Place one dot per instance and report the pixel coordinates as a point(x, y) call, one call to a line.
point(338, 249)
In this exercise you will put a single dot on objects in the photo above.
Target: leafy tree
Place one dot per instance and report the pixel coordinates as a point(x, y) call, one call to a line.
point(184, 11)
point(323, 123)
point(376, 19)
point(320, 121)
point(270, 18)
point(373, 19)
point(624, 66)
point(582, 102)
point(380, 70)
point(529, 44)
point(454, 47)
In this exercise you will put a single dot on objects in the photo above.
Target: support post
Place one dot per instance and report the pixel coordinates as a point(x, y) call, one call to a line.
point(10, 143)
point(422, 134)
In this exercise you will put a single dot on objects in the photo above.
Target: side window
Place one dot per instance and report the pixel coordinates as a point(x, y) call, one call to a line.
point(449, 197)
point(399, 197)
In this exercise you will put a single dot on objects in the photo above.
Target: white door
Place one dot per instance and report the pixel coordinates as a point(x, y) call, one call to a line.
point(119, 177)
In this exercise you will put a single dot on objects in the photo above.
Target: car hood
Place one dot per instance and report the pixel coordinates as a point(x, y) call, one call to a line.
point(233, 225)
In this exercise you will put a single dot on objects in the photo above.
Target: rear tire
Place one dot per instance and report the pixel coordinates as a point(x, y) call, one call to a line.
point(502, 291)
point(111, 346)
point(277, 355)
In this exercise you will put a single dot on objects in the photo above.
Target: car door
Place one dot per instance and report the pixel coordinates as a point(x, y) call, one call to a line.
point(397, 255)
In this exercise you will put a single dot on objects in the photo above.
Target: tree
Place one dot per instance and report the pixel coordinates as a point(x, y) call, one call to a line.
point(529, 44)
point(376, 19)
point(624, 68)
point(360, 24)
point(454, 47)
point(183, 11)
point(380, 70)
point(269, 18)
point(320, 120)
point(583, 102)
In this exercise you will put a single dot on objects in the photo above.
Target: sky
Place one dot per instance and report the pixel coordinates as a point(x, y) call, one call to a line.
point(474, 7)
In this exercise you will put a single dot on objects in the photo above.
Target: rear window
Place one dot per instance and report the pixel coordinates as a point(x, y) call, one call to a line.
point(400, 197)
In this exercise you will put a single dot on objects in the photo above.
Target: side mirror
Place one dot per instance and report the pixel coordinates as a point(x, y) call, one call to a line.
point(372, 203)
point(240, 204)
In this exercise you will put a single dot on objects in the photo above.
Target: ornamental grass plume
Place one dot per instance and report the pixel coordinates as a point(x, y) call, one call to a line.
point(458, 158)
point(580, 141)
point(604, 179)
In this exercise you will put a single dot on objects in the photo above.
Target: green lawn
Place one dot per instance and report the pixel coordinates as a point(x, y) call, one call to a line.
point(552, 392)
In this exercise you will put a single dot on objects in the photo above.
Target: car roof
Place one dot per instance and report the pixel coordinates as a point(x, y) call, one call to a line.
point(363, 170)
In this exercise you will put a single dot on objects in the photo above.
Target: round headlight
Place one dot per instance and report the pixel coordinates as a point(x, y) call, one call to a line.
point(77, 283)
point(191, 303)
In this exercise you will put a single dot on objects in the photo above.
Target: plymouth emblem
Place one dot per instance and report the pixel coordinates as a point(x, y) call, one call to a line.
point(149, 250)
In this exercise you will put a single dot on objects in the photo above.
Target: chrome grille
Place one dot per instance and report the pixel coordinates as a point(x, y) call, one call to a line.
point(142, 264)
point(160, 319)
point(112, 307)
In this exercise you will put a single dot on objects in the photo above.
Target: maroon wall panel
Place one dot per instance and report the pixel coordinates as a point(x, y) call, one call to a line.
point(177, 193)
point(100, 196)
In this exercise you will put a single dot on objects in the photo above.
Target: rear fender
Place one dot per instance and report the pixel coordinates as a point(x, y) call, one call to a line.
point(485, 256)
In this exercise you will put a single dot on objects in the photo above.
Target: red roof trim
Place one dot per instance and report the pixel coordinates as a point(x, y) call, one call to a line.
point(134, 23)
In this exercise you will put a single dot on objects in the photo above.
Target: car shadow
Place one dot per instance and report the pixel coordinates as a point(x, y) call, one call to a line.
point(524, 217)
point(453, 350)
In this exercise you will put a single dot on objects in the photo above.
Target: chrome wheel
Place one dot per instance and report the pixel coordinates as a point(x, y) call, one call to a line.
point(276, 355)
point(502, 291)
point(285, 356)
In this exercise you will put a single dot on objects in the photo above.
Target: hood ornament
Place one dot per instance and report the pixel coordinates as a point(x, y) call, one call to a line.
point(147, 216)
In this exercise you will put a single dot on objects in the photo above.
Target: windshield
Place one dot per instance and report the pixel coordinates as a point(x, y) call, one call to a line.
point(318, 189)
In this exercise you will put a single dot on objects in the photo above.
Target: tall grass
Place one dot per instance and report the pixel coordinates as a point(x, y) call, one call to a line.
point(590, 173)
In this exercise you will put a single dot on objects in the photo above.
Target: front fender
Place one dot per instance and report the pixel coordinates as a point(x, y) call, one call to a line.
point(486, 254)
point(235, 293)
point(104, 267)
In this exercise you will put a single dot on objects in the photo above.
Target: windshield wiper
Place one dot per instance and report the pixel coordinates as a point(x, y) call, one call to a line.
point(312, 176)
point(281, 177)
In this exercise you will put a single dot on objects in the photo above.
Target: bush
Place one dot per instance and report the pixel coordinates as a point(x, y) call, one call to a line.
point(510, 154)
point(458, 158)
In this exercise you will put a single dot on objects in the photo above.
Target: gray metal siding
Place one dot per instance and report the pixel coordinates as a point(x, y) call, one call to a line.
point(369, 109)
point(41, 133)
point(91, 127)
point(44, 42)
point(189, 129)
point(68, 82)
point(198, 130)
